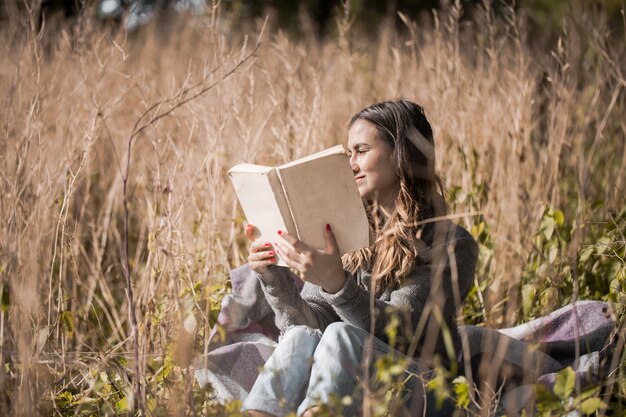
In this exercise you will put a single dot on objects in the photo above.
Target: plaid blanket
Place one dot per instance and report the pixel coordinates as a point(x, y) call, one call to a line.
point(576, 335)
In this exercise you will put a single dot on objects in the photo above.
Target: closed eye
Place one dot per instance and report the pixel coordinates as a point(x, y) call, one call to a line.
point(358, 152)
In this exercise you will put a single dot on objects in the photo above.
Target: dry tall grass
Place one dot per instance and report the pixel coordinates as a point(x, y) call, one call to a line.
point(89, 142)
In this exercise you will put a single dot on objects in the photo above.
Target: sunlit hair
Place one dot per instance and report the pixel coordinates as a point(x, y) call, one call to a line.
point(393, 255)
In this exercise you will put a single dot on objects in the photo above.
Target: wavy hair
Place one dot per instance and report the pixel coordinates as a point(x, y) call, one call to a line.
point(393, 255)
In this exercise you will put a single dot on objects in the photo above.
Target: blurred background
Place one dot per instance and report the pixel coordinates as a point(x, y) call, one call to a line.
point(119, 120)
point(544, 16)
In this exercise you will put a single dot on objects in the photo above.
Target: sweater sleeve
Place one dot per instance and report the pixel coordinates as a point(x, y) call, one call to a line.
point(291, 306)
point(425, 293)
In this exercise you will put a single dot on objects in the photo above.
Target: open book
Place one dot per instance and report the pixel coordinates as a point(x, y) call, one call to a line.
point(303, 196)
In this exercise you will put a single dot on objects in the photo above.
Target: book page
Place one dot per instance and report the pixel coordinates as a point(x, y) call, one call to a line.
point(338, 149)
point(263, 201)
point(322, 190)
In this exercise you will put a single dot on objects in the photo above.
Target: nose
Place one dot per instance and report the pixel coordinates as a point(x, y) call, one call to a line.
point(353, 164)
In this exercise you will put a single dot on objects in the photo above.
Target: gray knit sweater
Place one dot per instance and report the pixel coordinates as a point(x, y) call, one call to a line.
point(424, 303)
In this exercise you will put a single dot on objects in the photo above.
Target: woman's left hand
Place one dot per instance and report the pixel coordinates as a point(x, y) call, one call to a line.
point(320, 267)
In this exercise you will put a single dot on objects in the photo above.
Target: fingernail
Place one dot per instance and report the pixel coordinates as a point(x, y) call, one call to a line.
point(271, 252)
point(277, 251)
point(267, 244)
point(280, 232)
point(327, 226)
point(275, 243)
point(272, 260)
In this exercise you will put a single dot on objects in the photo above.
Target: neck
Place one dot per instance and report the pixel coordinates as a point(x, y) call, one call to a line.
point(387, 203)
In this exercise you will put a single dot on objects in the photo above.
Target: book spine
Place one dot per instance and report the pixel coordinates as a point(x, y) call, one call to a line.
point(283, 203)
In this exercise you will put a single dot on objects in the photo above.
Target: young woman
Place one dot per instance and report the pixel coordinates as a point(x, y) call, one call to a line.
point(414, 276)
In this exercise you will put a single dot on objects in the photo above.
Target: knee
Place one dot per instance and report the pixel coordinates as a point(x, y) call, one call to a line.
point(344, 333)
point(299, 334)
point(295, 348)
point(341, 341)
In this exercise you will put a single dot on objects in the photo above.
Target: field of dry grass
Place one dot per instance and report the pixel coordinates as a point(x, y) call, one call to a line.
point(119, 226)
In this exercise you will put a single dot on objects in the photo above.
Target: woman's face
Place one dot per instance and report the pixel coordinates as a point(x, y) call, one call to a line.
point(372, 163)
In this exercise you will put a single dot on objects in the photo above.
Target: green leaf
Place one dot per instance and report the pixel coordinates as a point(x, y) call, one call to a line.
point(559, 217)
point(152, 404)
point(391, 330)
point(122, 405)
point(452, 192)
point(461, 390)
point(67, 321)
point(546, 400)
point(564, 384)
point(396, 369)
point(347, 401)
point(437, 385)
point(588, 393)
point(64, 399)
point(4, 299)
point(548, 228)
point(529, 293)
point(585, 254)
point(547, 224)
point(85, 400)
point(592, 405)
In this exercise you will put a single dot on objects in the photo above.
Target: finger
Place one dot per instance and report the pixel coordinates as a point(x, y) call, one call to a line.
point(331, 240)
point(297, 244)
point(250, 231)
point(259, 246)
point(290, 256)
point(261, 266)
point(261, 256)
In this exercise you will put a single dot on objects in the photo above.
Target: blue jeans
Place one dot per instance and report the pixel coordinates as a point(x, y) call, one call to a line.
point(309, 368)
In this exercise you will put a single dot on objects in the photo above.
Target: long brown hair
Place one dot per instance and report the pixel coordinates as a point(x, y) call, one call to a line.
point(393, 255)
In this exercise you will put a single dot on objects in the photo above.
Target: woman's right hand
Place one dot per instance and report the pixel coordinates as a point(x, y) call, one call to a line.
point(260, 254)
